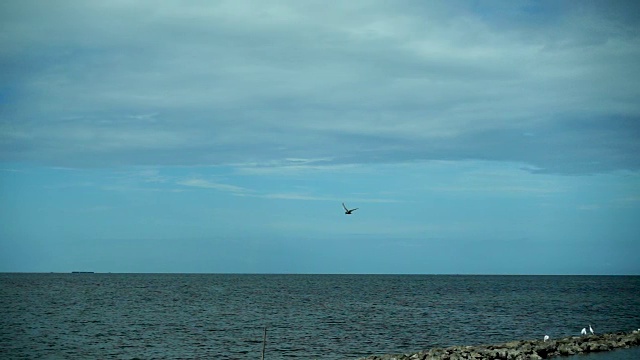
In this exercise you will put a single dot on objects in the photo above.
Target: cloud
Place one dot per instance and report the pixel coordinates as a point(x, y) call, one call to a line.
point(89, 84)
point(627, 201)
point(308, 197)
point(266, 193)
point(589, 207)
point(295, 167)
point(201, 183)
point(97, 208)
point(296, 196)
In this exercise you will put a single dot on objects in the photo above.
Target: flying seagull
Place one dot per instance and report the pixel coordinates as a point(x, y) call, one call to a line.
point(347, 211)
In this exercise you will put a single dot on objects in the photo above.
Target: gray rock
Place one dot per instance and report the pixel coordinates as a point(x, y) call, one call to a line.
point(568, 349)
point(526, 349)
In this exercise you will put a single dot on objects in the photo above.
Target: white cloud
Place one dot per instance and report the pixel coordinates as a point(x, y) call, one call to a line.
point(201, 183)
point(589, 207)
point(296, 196)
point(308, 197)
point(294, 168)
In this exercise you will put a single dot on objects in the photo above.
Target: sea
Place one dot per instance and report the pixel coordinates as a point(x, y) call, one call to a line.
point(238, 316)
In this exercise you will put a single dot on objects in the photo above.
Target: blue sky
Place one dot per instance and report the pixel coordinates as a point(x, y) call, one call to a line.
point(222, 136)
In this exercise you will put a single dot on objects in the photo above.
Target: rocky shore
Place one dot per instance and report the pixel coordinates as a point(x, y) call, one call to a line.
point(525, 349)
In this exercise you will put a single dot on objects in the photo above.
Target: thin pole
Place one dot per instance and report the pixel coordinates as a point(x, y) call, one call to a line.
point(264, 341)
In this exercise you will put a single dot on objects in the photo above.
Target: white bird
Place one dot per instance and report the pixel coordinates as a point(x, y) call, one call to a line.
point(590, 329)
point(583, 332)
point(546, 337)
point(347, 211)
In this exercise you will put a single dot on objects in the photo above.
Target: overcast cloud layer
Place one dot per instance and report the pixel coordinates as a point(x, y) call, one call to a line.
point(223, 136)
point(550, 84)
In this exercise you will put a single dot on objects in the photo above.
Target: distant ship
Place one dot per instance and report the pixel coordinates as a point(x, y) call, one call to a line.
point(83, 272)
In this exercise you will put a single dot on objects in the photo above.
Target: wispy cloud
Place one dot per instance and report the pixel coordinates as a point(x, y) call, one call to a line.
point(97, 209)
point(499, 189)
point(296, 196)
point(71, 185)
point(589, 207)
point(308, 197)
point(139, 188)
point(145, 117)
point(150, 175)
point(500, 179)
point(201, 183)
point(628, 201)
point(290, 167)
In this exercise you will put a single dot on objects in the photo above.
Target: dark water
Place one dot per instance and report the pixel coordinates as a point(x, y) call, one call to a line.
point(620, 354)
point(171, 316)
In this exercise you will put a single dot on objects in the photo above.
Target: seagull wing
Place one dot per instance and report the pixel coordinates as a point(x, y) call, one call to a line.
point(354, 209)
point(345, 208)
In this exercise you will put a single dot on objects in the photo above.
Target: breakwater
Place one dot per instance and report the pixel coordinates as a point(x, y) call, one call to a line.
point(525, 349)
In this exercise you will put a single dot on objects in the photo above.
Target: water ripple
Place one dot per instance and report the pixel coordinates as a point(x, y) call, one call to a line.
point(170, 316)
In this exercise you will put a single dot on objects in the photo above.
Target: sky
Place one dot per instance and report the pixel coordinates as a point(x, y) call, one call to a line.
point(475, 137)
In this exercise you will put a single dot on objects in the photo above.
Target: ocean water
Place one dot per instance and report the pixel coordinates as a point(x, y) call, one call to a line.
point(619, 354)
point(223, 316)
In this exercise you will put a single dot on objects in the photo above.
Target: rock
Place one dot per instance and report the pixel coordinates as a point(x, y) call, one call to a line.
point(546, 349)
point(525, 349)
